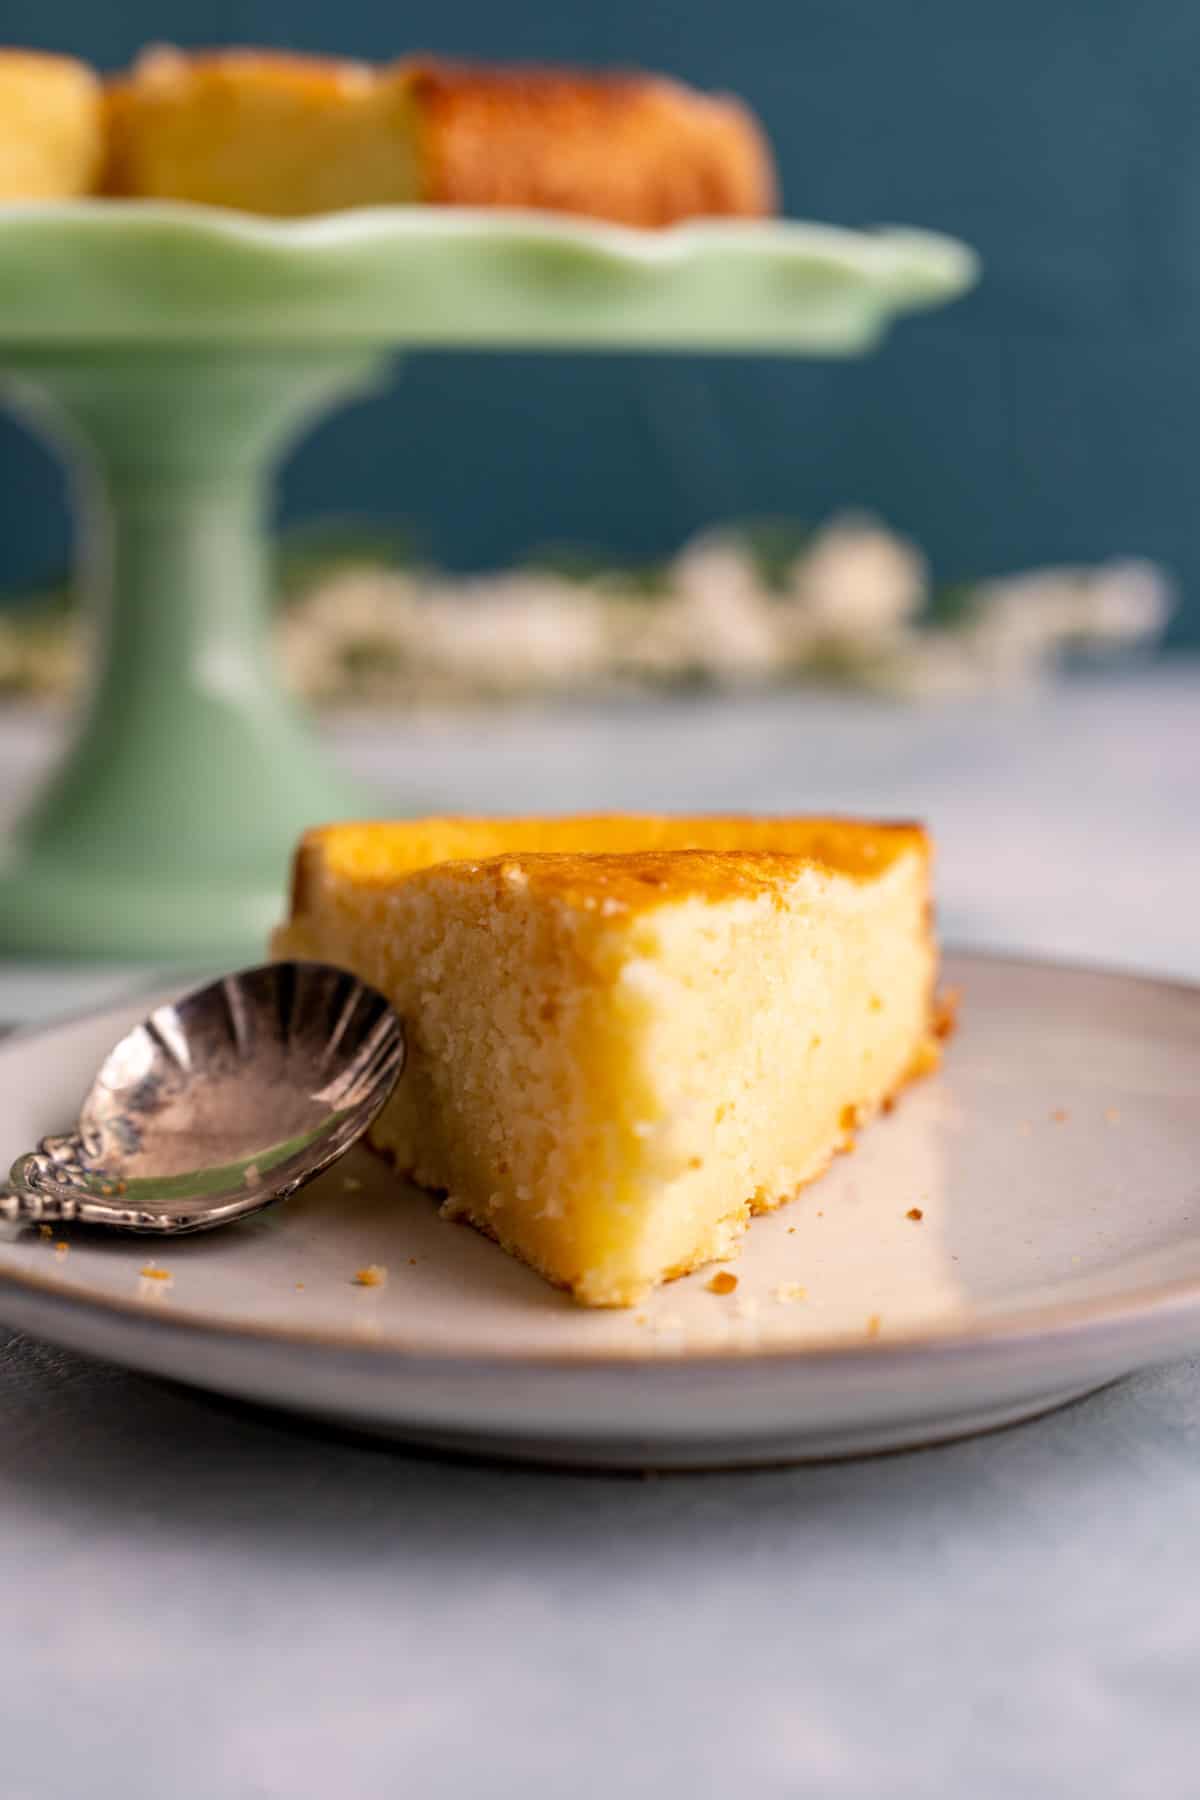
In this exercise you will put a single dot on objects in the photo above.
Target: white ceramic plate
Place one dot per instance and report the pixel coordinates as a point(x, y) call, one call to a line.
point(1054, 1162)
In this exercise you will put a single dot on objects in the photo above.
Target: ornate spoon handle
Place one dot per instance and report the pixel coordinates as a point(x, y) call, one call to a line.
point(29, 1206)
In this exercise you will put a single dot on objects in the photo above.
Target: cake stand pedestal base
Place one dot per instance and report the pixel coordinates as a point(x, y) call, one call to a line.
point(166, 832)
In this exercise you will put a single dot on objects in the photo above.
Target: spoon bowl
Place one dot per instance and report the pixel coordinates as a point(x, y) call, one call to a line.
point(219, 1104)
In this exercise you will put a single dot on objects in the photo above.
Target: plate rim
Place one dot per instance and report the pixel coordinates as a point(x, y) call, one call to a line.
point(1020, 1332)
point(396, 277)
point(882, 249)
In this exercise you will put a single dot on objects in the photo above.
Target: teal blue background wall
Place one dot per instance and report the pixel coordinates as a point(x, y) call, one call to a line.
point(1051, 416)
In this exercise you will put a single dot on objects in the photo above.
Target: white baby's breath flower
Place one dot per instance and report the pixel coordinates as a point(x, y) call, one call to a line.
point(927, 666)
point(1018, 628)
point(856, 585)
point(1133, 602)
point(517, 633)
point(1023, 623)
point(350, 636)
point(715, 620)
point(848, 612)
point(714, 568)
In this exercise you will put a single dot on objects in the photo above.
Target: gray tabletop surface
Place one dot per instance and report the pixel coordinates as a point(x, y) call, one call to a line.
point(200, 1601)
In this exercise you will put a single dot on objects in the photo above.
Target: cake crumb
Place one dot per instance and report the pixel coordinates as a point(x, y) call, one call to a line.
point(61, 1248)
point(1112, 1115)
point(350, 1184)
point(927, 1059)
point(873, 1325)
point(791, 1231)
point(945, 1013)
point(45, 1231)
point(374, 1275)
point(788, 1292)
point(153, 1273)
point(412, 1262)
point(1059, 1116)
point(299, 1287)
point(914, 1212)
point(722, 1282)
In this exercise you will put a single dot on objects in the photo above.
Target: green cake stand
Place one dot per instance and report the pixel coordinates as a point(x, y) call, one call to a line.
point(172, 353)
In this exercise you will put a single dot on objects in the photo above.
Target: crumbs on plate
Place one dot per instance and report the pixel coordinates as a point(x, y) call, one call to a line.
point(722, 1282)
point(945, 1013)
point(374, 1275)
point(152, 1272)
point(914, 1212)
point(788, 1292)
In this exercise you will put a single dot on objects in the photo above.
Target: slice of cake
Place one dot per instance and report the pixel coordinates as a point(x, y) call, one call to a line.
point(285, 134)
point(50, 126)
point(627, 1035)
point(638, 149)
point(258, 130)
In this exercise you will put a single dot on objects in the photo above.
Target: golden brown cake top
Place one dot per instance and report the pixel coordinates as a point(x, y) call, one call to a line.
point(18, 61)
point(634, 857)
point(636, 148)
point(639, 881)
point(163, 67)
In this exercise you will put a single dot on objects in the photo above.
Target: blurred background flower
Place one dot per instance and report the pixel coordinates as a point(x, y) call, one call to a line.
point(756, 605)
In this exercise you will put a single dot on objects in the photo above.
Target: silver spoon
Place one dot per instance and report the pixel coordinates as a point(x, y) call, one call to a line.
point(219, 1104)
